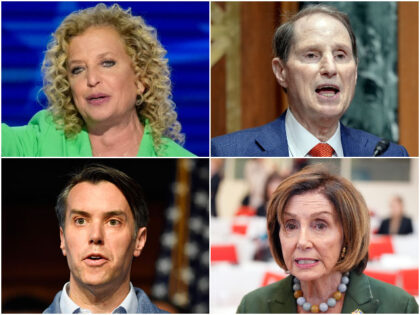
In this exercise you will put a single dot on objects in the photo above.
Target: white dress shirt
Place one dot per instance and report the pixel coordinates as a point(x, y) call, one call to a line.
point(301, 141)
point(67, 306)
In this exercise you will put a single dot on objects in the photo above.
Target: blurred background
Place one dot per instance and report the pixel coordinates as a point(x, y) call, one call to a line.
point(240, 188)
point(182, 28)
point(173, 269)
point(242, 80)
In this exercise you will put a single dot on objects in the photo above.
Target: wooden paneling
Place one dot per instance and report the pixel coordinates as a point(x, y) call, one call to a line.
point(259, 89)
point(408, 56)
point(218, 98)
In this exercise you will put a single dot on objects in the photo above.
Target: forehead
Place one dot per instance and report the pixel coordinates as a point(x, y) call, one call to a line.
point(320, 27)
point(97, 198)
point(96, 38)
point(308, 204)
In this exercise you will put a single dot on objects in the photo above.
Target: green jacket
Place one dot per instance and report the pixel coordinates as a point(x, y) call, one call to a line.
point(364, 293)
point(41, 138)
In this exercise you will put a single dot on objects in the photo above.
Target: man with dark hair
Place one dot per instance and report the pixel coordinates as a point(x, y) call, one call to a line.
point(102, 216)
point(316, 64)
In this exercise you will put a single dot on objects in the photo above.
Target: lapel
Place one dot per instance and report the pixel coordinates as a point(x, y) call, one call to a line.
point(272, 138)
point(360, 295)
point(283, 300)
point(353, 145)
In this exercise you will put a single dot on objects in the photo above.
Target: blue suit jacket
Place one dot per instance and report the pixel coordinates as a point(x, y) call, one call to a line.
point(271, 140)
point(145, 305)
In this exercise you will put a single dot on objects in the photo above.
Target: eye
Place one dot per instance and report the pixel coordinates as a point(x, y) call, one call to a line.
point(108, 63)
point(114, 222)
point(76, 70)
point(341, 55)
point(320, 225)
point(290, 226)
point(311, 55)
point(80, 221)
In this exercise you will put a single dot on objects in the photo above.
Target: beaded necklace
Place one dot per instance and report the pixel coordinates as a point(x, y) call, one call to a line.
point(323, 307)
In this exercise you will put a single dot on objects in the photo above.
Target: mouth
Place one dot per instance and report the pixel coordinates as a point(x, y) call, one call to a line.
point(306, 262)
point(95, 260)
point(97, 99)
point(327, 90)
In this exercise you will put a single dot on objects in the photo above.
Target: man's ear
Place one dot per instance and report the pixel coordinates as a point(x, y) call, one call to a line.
point(280, 71)
point(62, 242)
point(140, 241)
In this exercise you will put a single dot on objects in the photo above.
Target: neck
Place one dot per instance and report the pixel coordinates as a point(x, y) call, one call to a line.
point(98, 299)
point(322, 128)
point(122, 139)
point(320, 290)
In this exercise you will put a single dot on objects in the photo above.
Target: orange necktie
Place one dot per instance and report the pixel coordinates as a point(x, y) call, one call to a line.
point(321, 150)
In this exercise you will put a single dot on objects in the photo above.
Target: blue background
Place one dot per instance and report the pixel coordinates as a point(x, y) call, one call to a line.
point(183, 29)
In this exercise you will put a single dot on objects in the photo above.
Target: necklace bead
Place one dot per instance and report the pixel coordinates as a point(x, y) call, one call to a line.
point(314, 308)
point(323, 307)
point(301, 300)
point(331, 302)
point(306, 306)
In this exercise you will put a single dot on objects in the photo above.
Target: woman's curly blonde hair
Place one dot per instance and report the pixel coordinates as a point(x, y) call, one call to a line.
point(149, 64)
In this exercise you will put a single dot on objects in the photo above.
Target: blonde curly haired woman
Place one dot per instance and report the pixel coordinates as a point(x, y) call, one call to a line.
point(108, 89)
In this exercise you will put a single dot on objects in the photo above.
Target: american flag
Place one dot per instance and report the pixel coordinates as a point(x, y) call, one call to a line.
point(183, 265)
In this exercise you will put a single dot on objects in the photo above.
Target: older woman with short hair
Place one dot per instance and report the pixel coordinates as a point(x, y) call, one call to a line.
point(108, 89)
point(318, 228)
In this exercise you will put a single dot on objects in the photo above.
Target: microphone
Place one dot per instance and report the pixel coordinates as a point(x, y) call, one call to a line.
point(381, 147)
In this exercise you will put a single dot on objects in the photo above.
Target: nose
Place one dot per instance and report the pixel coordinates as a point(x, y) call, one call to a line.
point(328, 66)
point(96, 236)
point(92, 78)
point(304, 241)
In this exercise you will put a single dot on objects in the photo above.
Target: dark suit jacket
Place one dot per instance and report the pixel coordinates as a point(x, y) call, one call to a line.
point(145, 305)
point(405, 226)
point(363, 293)
point(271, 140)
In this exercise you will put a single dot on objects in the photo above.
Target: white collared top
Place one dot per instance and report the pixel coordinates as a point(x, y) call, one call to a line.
point(301, 141)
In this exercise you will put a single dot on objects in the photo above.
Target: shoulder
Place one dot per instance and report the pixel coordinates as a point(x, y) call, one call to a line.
point(145, 305)
point(54, 308)
point(172, 149)
point(392, 299)
point(261, 299)
point(167, 148)
point(245, 142)
point(364, 143)
point(26, 140)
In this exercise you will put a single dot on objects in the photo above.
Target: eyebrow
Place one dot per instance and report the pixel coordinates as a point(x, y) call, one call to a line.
point(100, 56)
point(108, 214)
point(313, 215)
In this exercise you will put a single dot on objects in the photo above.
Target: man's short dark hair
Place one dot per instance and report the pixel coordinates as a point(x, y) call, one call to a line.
point(97, 173)
point(284, 36)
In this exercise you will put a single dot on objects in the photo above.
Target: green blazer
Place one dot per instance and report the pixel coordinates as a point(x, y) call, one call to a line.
point(41, 138)
point(364, 293)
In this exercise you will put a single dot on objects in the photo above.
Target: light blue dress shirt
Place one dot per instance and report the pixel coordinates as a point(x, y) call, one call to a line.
point(67, 306)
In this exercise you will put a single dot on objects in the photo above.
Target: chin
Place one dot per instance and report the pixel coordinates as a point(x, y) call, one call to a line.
point(307, 275)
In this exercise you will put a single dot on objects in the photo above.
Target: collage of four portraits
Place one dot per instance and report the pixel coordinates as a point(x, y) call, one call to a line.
point(209, 157)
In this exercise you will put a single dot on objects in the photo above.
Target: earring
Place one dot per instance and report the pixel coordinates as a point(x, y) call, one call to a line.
point(139, 101)
point(343, 252)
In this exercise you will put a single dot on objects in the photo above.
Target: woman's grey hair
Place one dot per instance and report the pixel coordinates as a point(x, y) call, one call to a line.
point(284, 35)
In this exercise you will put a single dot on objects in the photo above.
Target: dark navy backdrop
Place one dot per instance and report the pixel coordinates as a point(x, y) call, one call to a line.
point(183, 29)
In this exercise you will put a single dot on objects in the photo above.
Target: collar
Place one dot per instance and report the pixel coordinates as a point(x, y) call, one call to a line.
point(301, 141)
point(146, 148)
point(359, 295)
point(67, 306)
point(283, 301)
